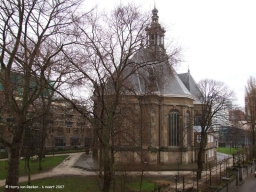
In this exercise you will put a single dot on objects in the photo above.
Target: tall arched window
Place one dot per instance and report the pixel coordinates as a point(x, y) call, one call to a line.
point(174, 128)
point(188, 130)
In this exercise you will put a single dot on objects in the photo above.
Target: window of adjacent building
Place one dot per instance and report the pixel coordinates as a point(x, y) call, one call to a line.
point(87, 141)
point(210, 139)
point(74, 141)
point(68, 130)
point(69, 124)
point(174, 128)
point(197, 120)
point(212, 153)
point(75, 130)
point(198, 138)
point(59, 141)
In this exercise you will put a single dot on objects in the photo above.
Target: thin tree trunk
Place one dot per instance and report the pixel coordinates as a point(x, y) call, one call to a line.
point(100, 162)
point(29, 170)
point(41, 154)
point(25, 167)
point(107, 162)
point(107, 172)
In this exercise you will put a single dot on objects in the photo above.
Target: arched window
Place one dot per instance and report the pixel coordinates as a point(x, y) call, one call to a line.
point(188, 130)
point(174, 128)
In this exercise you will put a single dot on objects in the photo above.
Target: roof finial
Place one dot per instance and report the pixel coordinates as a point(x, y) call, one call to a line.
point(154, 3)
point(188, 69)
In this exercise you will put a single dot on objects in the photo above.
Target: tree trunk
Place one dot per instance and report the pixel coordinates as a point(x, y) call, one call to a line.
point(41, 154)
point(29, 170)
point(12, 177)
point(199, 163)
point(40, 167)
point(100, 163)
point(107, 169)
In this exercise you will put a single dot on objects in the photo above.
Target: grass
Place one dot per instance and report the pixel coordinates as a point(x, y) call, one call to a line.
point(147, 185)
point(48, 163)
point(65, 184)
point(84, 183)
point(227, 150)
point(62, 151)
point(4, 155)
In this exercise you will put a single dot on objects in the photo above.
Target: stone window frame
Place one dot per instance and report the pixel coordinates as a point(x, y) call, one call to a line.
point(174, 126)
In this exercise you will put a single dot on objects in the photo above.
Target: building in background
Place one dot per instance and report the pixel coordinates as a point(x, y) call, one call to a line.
point(68, 129)
point(60, 126)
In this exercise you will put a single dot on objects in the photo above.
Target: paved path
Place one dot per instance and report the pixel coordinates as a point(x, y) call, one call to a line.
point(248, 185)
point(65, 168)
point(221, 156)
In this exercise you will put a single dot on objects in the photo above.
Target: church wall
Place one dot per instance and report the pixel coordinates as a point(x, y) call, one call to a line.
point(150, 114)
point(180, 104)
point(153, 157)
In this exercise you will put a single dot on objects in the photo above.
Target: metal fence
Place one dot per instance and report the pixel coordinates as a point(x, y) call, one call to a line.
point(215, 175)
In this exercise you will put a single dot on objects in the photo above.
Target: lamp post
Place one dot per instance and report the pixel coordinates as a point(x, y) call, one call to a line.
point(176, 181)
point(52, 145)
point(178, 166)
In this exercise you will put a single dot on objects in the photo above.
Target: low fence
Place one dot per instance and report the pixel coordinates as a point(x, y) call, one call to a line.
point(220, 176)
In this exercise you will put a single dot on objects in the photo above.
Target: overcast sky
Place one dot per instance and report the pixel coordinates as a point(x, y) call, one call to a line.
point(218, 37)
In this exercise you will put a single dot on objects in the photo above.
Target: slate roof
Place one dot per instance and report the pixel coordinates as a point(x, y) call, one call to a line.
point(161, 77)
point(190, 84)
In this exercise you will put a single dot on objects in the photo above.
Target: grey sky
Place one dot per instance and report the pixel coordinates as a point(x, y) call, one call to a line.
point(218, 37)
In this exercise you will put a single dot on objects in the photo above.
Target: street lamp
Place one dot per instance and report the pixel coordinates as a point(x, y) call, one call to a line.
point(178, 164)
point(53, 143)
point(176, 181)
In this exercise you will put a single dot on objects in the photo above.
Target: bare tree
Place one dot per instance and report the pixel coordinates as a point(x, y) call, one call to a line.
point(250, 107)
point(107, 43)
point(214, 98)
point(43, 122)
point(102, 66)
point(32, 35)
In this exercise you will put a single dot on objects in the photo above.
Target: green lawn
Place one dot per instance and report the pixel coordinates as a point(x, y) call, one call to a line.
point(147, 185)
point(48, 163)
point(227, 150)
point(82, 184)
point(65, 184)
